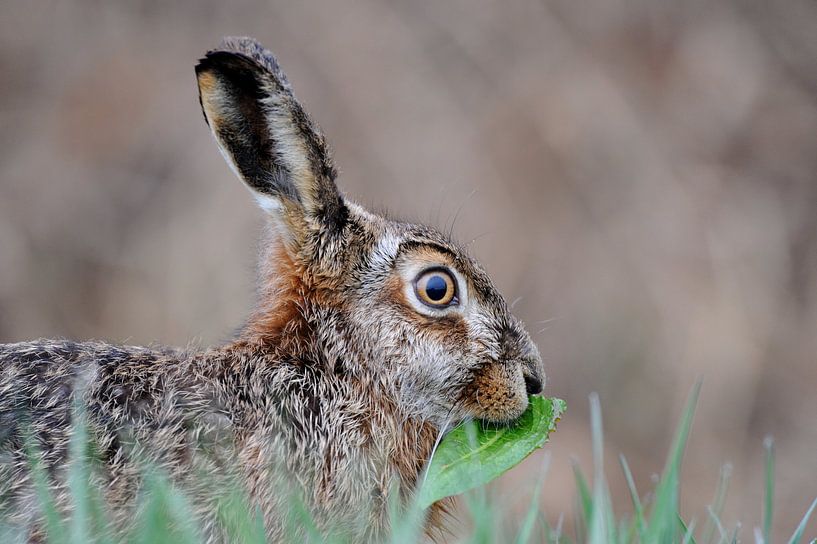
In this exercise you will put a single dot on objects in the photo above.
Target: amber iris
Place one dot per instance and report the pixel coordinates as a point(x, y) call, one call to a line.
point(436, 288)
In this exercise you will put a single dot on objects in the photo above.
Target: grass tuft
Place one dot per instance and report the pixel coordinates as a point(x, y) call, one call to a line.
point(166, 515)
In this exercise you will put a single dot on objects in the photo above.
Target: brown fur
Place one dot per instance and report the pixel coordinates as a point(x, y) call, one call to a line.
point(335, 389)
point(282, 296)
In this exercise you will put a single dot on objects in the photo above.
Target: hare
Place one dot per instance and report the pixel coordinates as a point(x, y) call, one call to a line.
point(369, 338)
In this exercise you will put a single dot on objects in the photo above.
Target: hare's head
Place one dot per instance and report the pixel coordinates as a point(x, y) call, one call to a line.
point(393, 303)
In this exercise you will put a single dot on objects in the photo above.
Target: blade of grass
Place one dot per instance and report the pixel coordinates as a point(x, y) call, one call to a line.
point(718, 502)
point(241, 523)
point(798, 533)
point(585, 499)
point(718, 524)
point(166, 516)
point(638, 510)
point(689, 534)
point(181, 512)
point(89, 519)
point(407, 524)
point(529, 521)
point(300, 518)
point(625, 530)
point(662, 525)
point(601, 529)
point(768, 446)
point(735, 533)
point(483, 516)
point(686, 530)
point(579, 526)
point(79, 529)
point(557, 532)
point(11, 535)
point(546, 530)
point(54, 526)
point(152, 521)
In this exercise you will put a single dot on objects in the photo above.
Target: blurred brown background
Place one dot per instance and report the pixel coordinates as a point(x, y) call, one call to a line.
point(641, 175)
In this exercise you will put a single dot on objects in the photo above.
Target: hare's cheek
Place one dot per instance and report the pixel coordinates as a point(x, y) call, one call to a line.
point(497, 393)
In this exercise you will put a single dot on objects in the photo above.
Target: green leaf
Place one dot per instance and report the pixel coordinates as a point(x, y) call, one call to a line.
point(475, 453)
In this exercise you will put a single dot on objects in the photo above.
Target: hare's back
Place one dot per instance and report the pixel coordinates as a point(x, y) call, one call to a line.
point(44, 382)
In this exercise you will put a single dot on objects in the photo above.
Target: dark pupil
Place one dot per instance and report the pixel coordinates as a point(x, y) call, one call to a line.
point(436, 288)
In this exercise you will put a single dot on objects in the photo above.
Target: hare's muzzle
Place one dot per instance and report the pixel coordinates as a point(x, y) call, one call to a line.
point(500, 389)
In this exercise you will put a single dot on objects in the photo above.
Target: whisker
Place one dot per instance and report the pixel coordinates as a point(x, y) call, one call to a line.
point(459, 209)
point(440, 200)
point(477, 237)
point(547, 321)
point(437, 443)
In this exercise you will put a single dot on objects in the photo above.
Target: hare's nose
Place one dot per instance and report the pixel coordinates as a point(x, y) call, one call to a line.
point(517, 346)
point(533, 385)
point(533, 375)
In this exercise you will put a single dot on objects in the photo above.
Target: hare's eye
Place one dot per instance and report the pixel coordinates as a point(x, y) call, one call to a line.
point(436, 288)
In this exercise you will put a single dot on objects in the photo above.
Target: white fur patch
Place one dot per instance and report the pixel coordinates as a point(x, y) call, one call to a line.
point(268, 203)
point(385, 251)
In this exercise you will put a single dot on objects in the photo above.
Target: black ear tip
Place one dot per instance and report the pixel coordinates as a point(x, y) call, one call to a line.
point(233, 70)
point(220, 61)
point(204, 65)
point(244, 54)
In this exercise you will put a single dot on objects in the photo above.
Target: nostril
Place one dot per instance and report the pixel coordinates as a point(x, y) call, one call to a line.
point(533, 385)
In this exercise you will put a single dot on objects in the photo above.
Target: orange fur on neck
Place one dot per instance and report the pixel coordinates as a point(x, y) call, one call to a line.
point(279, 312)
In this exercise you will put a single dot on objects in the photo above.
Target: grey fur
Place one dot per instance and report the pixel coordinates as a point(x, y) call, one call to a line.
point(337, 385)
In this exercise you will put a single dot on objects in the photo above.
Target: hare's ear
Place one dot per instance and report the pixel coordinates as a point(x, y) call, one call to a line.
point(267, 137)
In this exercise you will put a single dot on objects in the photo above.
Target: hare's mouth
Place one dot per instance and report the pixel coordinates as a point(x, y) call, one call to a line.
point(498, 393)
